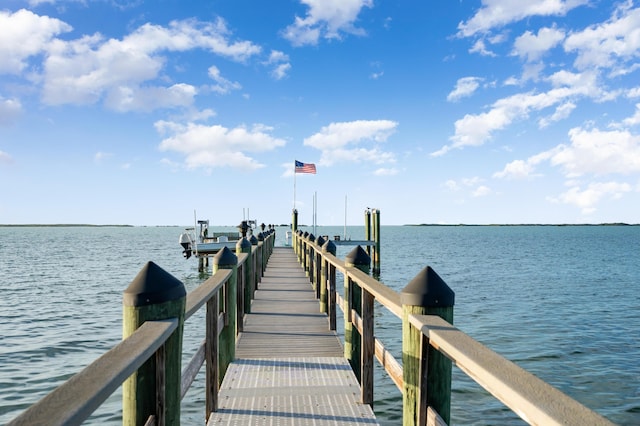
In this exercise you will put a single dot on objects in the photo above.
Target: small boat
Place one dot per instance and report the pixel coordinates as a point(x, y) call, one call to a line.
point(210, 243)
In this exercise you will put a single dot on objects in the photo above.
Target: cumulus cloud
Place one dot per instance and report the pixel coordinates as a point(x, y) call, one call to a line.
point(126, 73)
point(586, 199)
point(338, 141)
point(10, 111)
point(222, 86)
point(327, 19)
point(279, 61)
point(465, 86)
point(497, 13)
point(25, 34)
point(213, 146)
point(611, 44)
point(597, 152)
point(634, 120)
point(532, 47)
point(476, 129)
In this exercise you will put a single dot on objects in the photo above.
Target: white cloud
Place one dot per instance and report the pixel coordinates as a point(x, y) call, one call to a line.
point(475, 130)
point(481, 48)
point(223, 85)
point(598, 152)
point(124, 99)
point(280, 62)
point(587, 199)
point(327, 19)
point(562, 111)
point(481, 191)
point(465, 86)
point(100, 156)
point(336, 139)
point(608, 45)
point(25, 34)
point(386, 172)
point(5, 158)
point(531, 47)
point(89, 69)
point(497, 13)
point(634, 120)
point(517, 169)
point(217, 146)
point(10, 111)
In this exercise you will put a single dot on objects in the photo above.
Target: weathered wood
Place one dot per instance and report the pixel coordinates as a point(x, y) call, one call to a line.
point(332, 297)
point(225, 259)
point(199, 296)
point(191, 370)
point(154, 294)
point(212, 349)
point(284, 320)
point(368, 349)
point(534, 400)
point(161, 385)
point(77, 398)
point(390, 364)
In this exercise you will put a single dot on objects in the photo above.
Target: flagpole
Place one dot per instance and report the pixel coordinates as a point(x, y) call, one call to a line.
point(294, 185)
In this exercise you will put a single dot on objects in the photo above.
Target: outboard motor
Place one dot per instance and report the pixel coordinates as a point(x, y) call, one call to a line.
point(185, 242)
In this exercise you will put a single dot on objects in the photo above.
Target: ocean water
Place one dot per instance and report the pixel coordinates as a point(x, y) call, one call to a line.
point(562, 302)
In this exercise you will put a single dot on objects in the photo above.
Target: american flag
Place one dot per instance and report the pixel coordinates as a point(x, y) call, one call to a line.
point(305, 167)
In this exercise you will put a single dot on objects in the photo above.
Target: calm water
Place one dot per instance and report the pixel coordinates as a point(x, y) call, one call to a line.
point(562, 302)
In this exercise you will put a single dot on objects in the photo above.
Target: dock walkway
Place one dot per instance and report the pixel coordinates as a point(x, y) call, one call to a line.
point(289, 367)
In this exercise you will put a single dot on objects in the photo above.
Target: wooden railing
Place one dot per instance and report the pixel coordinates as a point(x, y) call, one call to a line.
point(148, 360)
point(430, 343)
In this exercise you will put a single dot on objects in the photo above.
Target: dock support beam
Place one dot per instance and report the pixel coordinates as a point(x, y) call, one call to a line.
point(225, 259)
point(154, 294)
point(426, 294)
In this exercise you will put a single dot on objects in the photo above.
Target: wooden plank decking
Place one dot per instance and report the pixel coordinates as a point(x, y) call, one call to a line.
point(289, 367)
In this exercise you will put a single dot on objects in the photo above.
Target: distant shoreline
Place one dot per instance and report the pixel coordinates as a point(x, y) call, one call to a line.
point(531, 224)
point(79, 225)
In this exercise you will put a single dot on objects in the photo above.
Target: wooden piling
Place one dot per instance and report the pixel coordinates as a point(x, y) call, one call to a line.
point(225, 259)
point(376, 239)
point(426, 294)
point(327, 247)
point(244, 246)
point(359, 259)
point(154, 294)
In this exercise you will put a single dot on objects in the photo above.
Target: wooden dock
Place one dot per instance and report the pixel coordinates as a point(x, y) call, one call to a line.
point(289, 368)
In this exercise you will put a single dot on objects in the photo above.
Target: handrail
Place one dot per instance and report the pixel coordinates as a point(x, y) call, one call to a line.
point(77, 398)
point(534, 400)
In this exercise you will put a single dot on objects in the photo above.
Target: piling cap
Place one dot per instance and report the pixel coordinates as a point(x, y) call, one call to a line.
point(260, 236)
point(225, 257)
point(357, 257)
point(320, 240)
point(253, 240)
point(243, 245)
point(306, 234)
point(153, 285)
point(312, 238)
point(330, 247)
point(427, 289)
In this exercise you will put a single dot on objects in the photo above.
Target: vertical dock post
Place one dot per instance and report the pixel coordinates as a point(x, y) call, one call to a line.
point(325, 283)
point(426, 294)
point(154, 294)
point(376, 239)
point(367, 229)
point(255, 261)
point(225, 259)
point(320, 273)
point(330, 247)
point(359, 259)
point(244, 246)
point(294, 230)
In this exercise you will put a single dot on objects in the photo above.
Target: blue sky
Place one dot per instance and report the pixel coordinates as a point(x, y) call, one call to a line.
point(443, 111)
